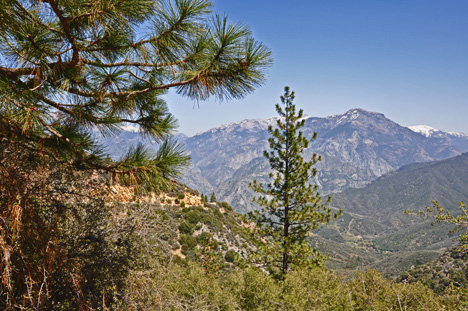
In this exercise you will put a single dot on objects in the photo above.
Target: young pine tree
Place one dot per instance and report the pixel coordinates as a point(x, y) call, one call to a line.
point(291, 206)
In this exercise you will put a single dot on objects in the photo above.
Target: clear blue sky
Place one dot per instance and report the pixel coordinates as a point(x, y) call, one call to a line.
point(406, 59)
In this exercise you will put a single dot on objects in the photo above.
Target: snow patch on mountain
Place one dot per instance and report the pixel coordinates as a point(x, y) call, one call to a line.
point(433, 132)
point(352, 115)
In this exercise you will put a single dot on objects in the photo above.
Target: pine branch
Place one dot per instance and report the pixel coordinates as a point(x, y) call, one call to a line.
point(82, 67)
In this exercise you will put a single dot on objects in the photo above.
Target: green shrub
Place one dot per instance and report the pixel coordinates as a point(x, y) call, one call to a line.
point(206, 218)
point(193, 217)
point(188, 242)
point(203, 238)
point(215, 244)
point(253, 290)
point(186, 227)
point(226, 206)
point(230, 256)
point(217, 213)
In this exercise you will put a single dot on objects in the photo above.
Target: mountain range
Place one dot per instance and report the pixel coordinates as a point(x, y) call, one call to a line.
point(356, 147)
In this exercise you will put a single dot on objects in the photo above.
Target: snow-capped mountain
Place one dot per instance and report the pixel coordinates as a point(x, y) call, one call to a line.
point(432, 132)
point(356, 148)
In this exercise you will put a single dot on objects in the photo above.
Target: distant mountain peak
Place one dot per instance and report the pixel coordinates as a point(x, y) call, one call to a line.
point(248, 124)
point(350, 115)
point(354, 114)
point(245, 124)
point(433, 132)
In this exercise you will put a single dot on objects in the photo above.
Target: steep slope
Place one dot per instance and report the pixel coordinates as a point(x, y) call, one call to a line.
point(373, 215)
point(185, 227)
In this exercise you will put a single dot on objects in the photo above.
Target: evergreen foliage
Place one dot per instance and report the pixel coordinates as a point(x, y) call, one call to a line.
point(213, 197)
point(192, 288)
point(71, 69)
point(291, 205)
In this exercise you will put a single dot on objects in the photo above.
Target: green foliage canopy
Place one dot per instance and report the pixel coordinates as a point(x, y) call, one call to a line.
point(69, 69)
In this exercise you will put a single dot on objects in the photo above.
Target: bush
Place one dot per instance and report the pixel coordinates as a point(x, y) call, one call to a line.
point(193, 217)
point(188, 243)
point(186, 227)
point(226, 206)
point(64, 248)
point(206, 218)
point(217, 213)
point(230, 256)
point(253, 290)
point(203, 238)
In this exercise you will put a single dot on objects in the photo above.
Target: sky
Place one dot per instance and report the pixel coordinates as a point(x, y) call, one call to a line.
point(405, 59)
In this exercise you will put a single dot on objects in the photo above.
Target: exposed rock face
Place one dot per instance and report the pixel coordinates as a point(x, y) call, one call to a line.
point(356, 148)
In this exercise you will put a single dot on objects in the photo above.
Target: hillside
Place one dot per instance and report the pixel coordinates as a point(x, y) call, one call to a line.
point(192, 230)
point(451, 268)
point(374, 226)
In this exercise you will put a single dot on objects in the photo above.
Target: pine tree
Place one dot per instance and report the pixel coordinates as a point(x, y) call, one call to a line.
point(213, 197)
point(291, 206)
point(69, 69)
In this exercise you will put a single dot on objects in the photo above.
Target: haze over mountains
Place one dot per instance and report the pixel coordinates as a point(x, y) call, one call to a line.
point(356, 148)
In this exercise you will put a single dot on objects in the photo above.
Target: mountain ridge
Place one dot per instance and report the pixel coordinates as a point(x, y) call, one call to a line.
point(356, 147)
